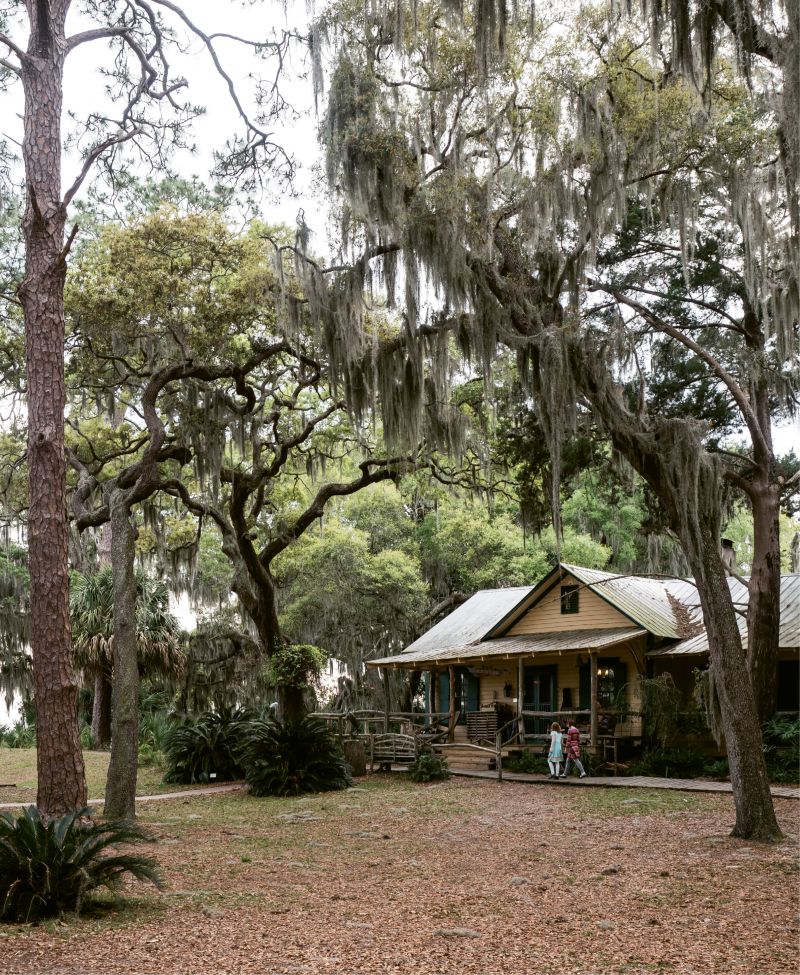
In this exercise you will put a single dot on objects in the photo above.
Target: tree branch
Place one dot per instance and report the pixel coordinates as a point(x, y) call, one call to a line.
point(716, 368)
point(87, 36)
point(385, 470)
point(15, 48)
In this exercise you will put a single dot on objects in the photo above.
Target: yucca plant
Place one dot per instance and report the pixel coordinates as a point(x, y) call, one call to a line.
point(49, 868)
point(288, 758)
point(205, 745)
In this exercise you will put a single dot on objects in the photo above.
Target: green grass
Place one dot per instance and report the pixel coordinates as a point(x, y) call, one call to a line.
point(18, 766)
point(618, 802)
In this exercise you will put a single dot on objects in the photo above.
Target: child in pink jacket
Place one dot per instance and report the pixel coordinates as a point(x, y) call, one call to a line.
point(573, 751)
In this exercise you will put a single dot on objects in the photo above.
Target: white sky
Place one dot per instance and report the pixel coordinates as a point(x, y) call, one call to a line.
point(84, 89)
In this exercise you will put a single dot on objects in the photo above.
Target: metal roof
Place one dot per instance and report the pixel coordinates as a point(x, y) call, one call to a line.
point(470, 621)
point(513, 647)
point(643, 600)
point(789, 636)
point(649, 603)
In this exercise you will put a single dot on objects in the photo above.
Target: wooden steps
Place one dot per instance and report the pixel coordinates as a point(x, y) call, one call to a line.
point(466, 758)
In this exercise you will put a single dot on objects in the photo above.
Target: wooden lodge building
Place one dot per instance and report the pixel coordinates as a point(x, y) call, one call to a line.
point(574, 646)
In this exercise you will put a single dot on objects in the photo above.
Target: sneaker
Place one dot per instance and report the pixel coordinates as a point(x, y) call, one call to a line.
point(582, 775)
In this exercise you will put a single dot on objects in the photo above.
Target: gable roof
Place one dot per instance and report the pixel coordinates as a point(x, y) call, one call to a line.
point(644, 601)
point(477, 628)
point(470, 622)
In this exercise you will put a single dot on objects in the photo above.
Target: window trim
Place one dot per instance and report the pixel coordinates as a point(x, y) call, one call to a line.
point(568, 598)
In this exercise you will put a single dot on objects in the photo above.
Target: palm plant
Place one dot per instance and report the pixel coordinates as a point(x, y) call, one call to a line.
point(209, 743)
point(49, 868)
point(288, 758)
point(92, 616)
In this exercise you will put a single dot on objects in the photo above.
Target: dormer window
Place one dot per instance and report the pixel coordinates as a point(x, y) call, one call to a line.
point(569, 599)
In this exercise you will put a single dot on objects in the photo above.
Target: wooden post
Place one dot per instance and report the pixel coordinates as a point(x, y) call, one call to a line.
point(433, 676)
point(451, 722)
point(593, 698)
point(520, 697)
point(385, 673)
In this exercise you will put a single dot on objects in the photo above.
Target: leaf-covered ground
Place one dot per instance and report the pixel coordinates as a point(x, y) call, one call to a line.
point(462, 877)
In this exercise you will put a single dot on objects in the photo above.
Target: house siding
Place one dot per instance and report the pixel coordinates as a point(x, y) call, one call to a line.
point(545, 616)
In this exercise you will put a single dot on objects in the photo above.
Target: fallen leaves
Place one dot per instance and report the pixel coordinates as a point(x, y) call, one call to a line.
point(470, 878)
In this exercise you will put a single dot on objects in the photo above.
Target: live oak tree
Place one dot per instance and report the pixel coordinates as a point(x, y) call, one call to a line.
point(147, 113)
point(153, 308)
point(499, 194)
point(220, 384)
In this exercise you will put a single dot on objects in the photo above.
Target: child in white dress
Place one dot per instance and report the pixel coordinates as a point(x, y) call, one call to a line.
point(556, 752)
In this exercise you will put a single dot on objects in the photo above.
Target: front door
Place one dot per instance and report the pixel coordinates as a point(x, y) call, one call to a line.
point(467, 697)
point(540, 695)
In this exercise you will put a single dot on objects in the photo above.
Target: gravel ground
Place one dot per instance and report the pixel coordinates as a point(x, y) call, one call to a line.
point(462, 877)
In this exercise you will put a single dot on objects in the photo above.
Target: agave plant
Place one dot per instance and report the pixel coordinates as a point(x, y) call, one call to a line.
point(205, 745)
point(49, 868)
point(288, 758)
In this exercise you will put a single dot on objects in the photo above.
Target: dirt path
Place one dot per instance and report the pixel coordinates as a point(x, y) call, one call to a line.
point(627, 782)
point(208, 790)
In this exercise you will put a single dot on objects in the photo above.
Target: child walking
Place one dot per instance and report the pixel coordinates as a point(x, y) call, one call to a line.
point(573, 751)
point(556, 752)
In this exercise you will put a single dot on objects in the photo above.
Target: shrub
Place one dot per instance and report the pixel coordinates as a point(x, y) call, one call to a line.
point(154, 727)
point(429, 768)
point(21, 735)
point(207, 744)
point(47, 869)
point(149, 756)
point(676, 763)
point(717, 769)
point(529, 761)
point(288, 758)
point(782, 749)
point(86, 736)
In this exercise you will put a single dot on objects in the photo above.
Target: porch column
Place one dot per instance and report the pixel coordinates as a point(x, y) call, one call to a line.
point(433, 679)
point(451, 724)
point(520, 695)
point(593, 697)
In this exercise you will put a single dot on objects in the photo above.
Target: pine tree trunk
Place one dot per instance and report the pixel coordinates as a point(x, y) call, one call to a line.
point(101, 711)
point(62, 782)
point(121, 782)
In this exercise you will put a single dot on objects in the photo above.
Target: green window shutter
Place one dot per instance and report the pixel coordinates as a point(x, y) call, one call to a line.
point(444, 692)
point(473, 692)
point(585, 687)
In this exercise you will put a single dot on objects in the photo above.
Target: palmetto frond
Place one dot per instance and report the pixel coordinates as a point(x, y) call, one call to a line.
point(292, 757)
point(92, 614)
point(48, 868)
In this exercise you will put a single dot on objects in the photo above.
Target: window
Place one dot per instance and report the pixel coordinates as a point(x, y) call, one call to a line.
point(569, 599)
